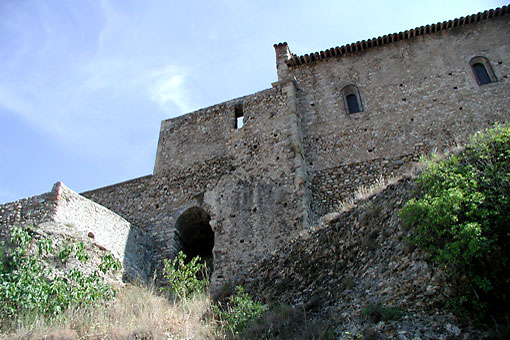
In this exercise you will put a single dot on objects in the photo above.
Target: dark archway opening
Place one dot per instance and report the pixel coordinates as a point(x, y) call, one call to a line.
point(195, 235)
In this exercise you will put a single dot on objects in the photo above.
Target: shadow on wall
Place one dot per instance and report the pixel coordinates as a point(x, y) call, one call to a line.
point(137, 256)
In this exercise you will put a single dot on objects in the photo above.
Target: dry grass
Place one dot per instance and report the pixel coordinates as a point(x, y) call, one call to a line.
point(361, 194)
point(366, 191)
point(137, 313)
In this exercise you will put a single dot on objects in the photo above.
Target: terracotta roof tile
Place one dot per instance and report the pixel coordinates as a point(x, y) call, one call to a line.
point(390, 38)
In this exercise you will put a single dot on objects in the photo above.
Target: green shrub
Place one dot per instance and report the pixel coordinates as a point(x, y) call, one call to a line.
point(29, 287)
point(462, 217)
point(239, 309)
point(184, 279)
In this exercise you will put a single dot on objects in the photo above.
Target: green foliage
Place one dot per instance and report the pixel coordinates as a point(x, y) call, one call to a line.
point(462, 217)
point(184, 279)
point(65, 250)
point(108, 263)
point(29, 287)
point(83, 257)
point(238, 311)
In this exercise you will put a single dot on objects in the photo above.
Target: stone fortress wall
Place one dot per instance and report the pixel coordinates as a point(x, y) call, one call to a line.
point(234, 194)
point(248, 180)
point(299, 152)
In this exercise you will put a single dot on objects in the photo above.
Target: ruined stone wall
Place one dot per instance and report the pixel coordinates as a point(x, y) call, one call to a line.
point(26, 212)
point(108, 230)
point(83, 219)
point(418, 96)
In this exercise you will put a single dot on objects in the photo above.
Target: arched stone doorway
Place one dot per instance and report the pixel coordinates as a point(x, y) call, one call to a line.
point(195, 236)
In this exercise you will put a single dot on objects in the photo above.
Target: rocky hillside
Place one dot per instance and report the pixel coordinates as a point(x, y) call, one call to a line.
point(357, 271)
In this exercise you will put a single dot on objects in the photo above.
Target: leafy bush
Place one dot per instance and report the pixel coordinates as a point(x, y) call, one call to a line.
point(29, 287)
point(462, 217)
point(185, 278)
point(239, 309)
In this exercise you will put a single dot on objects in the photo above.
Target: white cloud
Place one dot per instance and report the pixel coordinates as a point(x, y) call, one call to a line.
point(168, 90)
point(30, 104)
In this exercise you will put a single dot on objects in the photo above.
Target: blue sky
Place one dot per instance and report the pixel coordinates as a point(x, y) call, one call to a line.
point(84, 84)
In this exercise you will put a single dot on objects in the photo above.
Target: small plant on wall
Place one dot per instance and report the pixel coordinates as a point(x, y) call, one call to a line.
point(183, 277)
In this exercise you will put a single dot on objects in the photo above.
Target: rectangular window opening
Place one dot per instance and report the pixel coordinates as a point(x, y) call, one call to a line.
point(239, 116)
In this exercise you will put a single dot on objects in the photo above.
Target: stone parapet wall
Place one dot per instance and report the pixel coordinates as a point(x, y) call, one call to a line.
point(110, 231)
point(148, 201)
point(27, 212)
point(125, 199)
point(84, 219)
point(205, 134)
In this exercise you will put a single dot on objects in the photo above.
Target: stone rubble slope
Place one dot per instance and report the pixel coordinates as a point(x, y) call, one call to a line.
point(357, 258)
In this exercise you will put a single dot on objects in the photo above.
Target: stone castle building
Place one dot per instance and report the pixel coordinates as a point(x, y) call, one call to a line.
point(234, 181)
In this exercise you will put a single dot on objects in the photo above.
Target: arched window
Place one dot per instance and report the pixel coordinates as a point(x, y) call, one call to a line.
point(352, 99)
point(352, 103)
point(482, 70)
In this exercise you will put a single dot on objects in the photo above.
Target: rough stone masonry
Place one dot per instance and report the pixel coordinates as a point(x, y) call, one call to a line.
point(237, 180)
